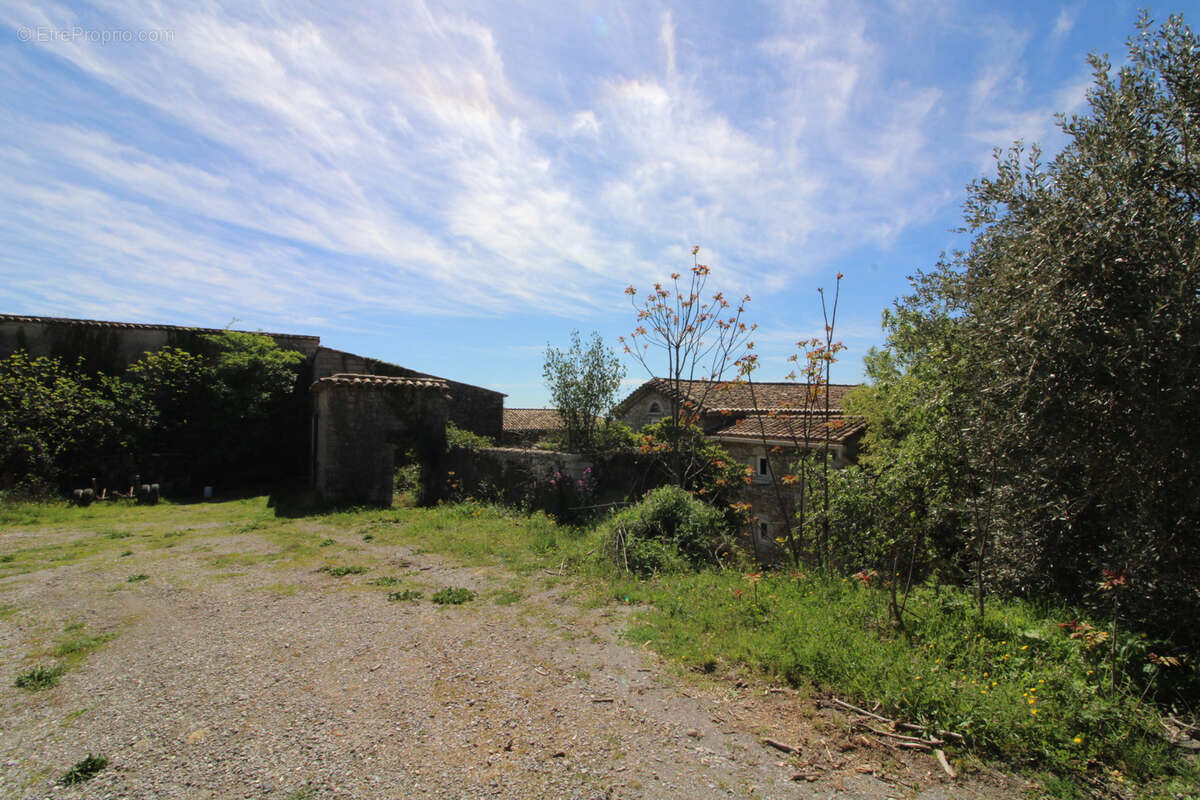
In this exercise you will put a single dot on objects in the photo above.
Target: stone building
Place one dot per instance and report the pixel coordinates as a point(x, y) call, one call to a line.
point(763, 425)
point(359, 423)
point(362, 408)
point(112, 346)
point(524, 427)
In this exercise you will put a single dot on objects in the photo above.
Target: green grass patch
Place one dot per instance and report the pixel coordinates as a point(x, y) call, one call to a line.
point(39, 677)
point(75, 642)
point(327, 542)
point(83, 770)
point(141, 576)
point(1014, 683)
point(452, 596)
point(506, 597)
point(385, 580)
point(343, 570)
point(405, 595)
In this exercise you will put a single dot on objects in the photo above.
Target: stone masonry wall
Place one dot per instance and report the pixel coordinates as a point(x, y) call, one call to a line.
point(471, 408)
point(111, 346)
point(357, 429)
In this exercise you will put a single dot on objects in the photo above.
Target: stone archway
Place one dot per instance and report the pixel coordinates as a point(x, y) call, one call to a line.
point(359, 420)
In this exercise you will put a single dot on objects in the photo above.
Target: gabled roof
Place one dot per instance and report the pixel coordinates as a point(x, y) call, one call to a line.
point(790, 429)
point(532, 419)
point(744, 396)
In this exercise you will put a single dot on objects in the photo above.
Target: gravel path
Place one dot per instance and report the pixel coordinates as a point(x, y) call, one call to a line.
point(223, 687)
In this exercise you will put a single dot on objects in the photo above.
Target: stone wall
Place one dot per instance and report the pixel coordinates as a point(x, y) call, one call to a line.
point(521, 477)
point(112, 346)
point(358, 423)
point(471, 408)
point(640, 413)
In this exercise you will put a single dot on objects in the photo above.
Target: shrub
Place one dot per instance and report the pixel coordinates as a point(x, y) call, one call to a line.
point(83, 770)
point(452, 597)
point(667, 531)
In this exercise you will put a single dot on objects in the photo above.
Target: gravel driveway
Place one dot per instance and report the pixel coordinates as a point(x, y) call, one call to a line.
point(284, 682)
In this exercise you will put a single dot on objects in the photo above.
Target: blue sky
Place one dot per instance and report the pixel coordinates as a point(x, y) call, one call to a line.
point(451, 186)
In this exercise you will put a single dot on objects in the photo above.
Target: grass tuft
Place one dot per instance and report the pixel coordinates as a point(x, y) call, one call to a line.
point(405, 596)
point(343, 571)
point(452, 596)
point(83, 770)
point(39, 677)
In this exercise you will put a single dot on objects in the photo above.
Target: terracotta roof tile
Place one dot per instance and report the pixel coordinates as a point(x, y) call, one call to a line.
point(792, 428)
point(747, 397)
point(382, 381)
point(532, 419)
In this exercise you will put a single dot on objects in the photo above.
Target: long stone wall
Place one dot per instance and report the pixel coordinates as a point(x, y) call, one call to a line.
point(112, 346)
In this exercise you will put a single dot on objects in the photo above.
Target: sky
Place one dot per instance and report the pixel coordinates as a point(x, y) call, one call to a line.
point(455, 186)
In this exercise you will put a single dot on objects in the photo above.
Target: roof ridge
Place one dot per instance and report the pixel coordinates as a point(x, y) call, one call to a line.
point(143, 325)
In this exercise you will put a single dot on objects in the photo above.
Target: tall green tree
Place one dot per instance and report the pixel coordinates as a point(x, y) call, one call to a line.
point(583, 384)
point(57, 424)
point(1062, 349)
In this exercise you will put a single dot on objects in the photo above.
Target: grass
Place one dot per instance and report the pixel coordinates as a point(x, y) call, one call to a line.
point(981, 676)
point(343, 571)
point(75, 643)
point(39, 677)
point(451, 596)
point(83, 770)
point(141, 576)
point(1015, 684)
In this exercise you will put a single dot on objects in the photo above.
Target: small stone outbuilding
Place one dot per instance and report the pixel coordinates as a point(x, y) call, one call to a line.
point(359, 421)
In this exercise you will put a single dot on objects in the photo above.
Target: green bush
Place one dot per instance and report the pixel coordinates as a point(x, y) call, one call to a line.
point(457, 438)
point(669, 530)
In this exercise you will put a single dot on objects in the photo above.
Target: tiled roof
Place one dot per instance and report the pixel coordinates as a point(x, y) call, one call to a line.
point(138, 325)
point(411, 373)
point(744, 397)
point(532, 419)
point(382, 381)
point(790, 428)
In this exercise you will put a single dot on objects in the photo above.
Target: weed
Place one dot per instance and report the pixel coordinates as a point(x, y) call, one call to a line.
point(385, 580)
point(506, 597)
point(405, 596)
point(7, 557)
point(76, 643)
point(141, 576)
point(327, 543)
point(303, 793)
point(125, 553)
point(84, 770)
point(342, 571)
point(452, 596)
point(39, 677)
point(368, 537)
point(117, 535)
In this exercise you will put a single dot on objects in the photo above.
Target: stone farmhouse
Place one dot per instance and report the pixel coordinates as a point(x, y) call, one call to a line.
point(363, 408)
point(763, 425)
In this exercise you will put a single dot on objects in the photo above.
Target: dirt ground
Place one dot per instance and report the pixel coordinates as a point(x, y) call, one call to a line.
point(231, 676)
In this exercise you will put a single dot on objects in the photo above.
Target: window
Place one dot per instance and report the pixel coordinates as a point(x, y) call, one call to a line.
point(764, 468)
point(764, 531)
point(655, 408)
